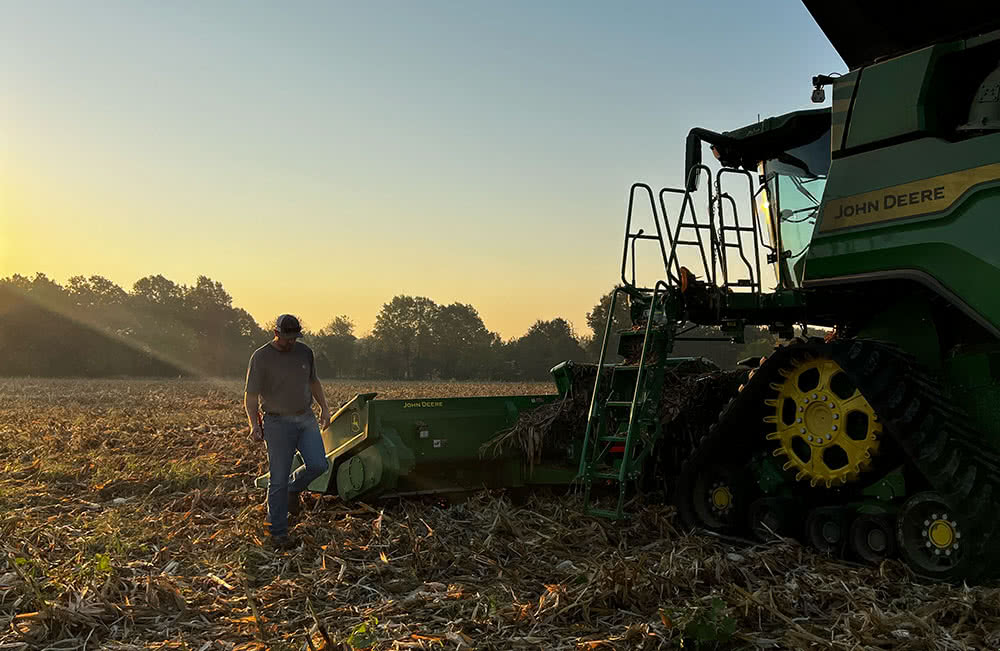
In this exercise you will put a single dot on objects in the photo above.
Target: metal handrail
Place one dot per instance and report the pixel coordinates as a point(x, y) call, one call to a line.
point(676, 241)
point(592, 414)
point(640, 378)
point(737, 229)
point(715, 261)
point(738, 244)
point(674, 279)
point(760, 233)
point(631, 238)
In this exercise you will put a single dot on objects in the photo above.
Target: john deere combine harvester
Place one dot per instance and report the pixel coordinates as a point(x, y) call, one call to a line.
point(879, 218)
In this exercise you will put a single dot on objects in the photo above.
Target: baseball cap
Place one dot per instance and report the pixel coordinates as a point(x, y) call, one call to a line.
point(288, 326)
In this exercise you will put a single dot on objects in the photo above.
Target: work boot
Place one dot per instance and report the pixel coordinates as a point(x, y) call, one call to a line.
point(283, 542)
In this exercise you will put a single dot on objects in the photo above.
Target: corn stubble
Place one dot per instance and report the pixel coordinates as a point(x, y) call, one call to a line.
point(127, 521)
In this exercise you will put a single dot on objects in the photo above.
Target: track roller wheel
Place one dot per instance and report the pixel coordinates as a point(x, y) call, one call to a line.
point(716, 498)
point(933, 539)
point(826, 529)
point(871, 538)
point(771, 516)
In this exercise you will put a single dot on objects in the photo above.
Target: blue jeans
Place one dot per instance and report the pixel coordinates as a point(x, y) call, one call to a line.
point(284, 435)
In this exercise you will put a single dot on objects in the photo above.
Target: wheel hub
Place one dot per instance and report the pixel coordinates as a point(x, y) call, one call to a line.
point(819, 418)
point(831, 531)
point(721, 498)
point(715, 497)
point(826, 429)
point(941, 535)
point(877, 540)
point(931, 540)
point(872, 538)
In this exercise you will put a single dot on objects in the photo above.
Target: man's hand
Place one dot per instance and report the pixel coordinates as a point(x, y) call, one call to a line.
point(324, 419)
point(256, 432)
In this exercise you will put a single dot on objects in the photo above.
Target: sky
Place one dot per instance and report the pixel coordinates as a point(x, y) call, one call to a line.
point(321, 157)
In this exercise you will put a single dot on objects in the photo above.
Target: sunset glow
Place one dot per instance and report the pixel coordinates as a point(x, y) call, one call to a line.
point(325, 158)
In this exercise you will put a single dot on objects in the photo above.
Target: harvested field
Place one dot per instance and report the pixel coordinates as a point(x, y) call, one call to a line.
point(128, 521)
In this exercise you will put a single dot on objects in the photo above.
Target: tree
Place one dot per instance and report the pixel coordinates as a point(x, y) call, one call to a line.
point(403, 336)
point(597, 320)
point(158, 305)
point(95, 292)
point(44, 332)
point(195, 326)
point(158, 290)
point(91, 326)
point(464, 348)
point(104, 306)
point(336, 343)
point(223, 336)
point(544, 345)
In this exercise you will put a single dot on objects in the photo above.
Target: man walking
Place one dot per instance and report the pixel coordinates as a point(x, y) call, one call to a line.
point(282, 383)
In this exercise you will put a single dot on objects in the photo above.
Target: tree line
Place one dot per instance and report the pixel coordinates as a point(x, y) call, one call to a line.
point(92, 327)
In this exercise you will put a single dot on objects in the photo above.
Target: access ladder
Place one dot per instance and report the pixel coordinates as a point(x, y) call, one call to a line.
point(623, 424)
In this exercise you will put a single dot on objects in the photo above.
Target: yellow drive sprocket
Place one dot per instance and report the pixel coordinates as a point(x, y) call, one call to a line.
point(824, 426)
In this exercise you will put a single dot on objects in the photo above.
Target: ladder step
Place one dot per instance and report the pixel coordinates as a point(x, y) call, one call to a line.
point(631, 368)
point(604, 513)
point(613, 439)
point(604, 475)
point(619, 403)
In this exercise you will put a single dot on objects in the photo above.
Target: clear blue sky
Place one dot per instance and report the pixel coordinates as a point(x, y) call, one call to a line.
point(321, 157)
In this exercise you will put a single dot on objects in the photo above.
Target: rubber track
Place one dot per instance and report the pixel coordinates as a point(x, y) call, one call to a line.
point(914, 409)
point(936, 436)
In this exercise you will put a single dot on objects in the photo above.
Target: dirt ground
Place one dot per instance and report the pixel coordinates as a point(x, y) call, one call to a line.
point(128, 520)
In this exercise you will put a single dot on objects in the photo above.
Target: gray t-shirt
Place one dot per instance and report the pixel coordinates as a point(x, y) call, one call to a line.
point(282, 379)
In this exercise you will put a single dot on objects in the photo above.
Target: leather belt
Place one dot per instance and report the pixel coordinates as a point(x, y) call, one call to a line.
point(283, 414)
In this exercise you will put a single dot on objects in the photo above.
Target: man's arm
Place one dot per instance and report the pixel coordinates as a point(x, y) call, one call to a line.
point(251, 402)
point(317, 391)
point(251, 398)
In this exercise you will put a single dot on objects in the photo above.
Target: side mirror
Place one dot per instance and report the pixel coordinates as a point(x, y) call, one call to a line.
point(692, 159)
